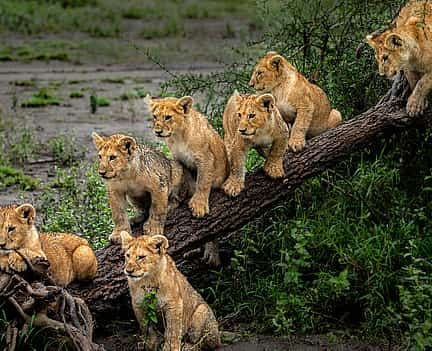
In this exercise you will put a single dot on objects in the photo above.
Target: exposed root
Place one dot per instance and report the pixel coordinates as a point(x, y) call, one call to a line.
point(47, 307)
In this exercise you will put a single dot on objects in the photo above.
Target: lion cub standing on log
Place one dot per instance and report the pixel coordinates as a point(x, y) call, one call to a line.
point(253, 121)
point(69, 256)
point(182, 309)
point(194, 143)
point(407, 46)
point(299, 101)
point(143, 176)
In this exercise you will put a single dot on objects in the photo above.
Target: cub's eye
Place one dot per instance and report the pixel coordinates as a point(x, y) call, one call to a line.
point(239, 114)
point(251, 115)
point(259, 73)
point(141, 257)
point(154, 116)
point(100, 156)
point(11, 229)
point(385, 58)
point(127, 255)
point(112, 157)
point(167, 118)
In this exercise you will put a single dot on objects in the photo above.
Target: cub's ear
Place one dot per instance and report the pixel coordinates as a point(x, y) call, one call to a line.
point(26, 213)
point(371, 40)
point(148, 100)
point(394, 42)
point(160, 243)
point(277, 63)
point(98, 140)
point(127, 145)
point(266, 102)
point(126, 240)
point(185, 104)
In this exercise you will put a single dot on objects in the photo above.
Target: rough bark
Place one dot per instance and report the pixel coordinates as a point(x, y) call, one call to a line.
point(108, 293)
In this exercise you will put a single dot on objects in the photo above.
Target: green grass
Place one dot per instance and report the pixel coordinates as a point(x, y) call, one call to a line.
point(76, 94)
point(10, 176)
point(77, 207)
point(40, 99)
point(136, 93)
point(170, 28)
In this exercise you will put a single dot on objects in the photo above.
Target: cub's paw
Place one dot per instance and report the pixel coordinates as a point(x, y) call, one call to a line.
point(40, 264)
point(416, 105)
point(296, 144)
point(115, 237)
point(211, 255)
point(16, 262)
point(232, 187)
point(152, 229)
point(199, 206)
point(4, 263)
point(274, 170)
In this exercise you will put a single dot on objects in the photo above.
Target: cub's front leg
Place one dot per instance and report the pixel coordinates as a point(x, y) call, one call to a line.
point(417, 102)
point(17, 262)
point(158, 212)
point(235, 182)
point(274, 163)
point(4, 261)
point(118, 204)
point(297, 140)
point(199, 201)
point(174, 328)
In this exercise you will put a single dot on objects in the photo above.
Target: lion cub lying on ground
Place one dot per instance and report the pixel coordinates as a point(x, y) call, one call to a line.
point(69, 256)
point(299, 101)
point(185, 314)
point(143, 176)
point(407, 46)
point(253, 121)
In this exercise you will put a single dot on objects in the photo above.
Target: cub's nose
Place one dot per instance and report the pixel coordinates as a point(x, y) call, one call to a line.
point(129, 270)
point(242, 131)
point(2, 245)
point(158, 132)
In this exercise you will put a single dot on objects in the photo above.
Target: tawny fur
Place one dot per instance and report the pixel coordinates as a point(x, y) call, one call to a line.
point(253, 121)
point(185, 314)
point(197, 146)
point(300, 102)
point(69, 256)
point(407, 46)
point(144, 177)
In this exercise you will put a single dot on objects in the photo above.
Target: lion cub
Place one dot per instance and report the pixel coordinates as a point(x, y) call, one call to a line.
point(253, 121)
point(407, 46)
point(194, 143)
point(299, 101)
point(143, 176)
point(185, 314)
point(69, 256)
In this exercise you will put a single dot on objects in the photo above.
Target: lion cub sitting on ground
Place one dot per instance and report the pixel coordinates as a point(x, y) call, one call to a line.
point(69, 256)
point(299, 101)
point(143, 176)
point(253, 121)
point(407, 46)
point(184, 312)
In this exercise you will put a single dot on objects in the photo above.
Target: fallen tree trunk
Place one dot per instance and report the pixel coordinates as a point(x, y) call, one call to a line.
point(108, 293)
